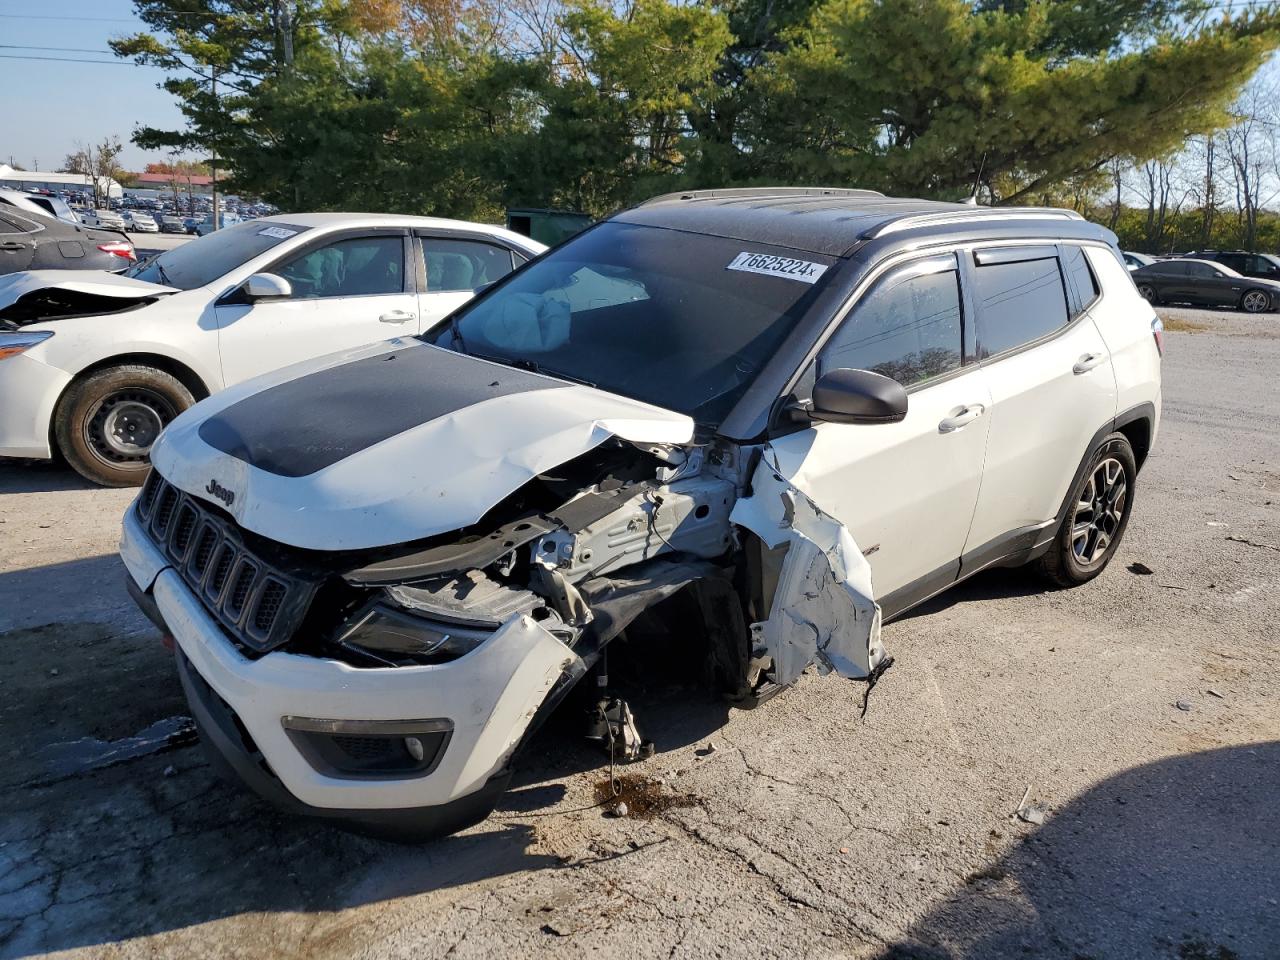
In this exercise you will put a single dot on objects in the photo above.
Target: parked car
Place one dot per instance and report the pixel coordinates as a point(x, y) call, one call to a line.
point(1135, 261)
point(101, 363)
point(35, 242)
point(46, 206)
point(190, 223)
point(171, 224)
point(138, 221)
point(1205, 283)
point(225, 220)
point(718, 407)
point(101, 217)
point(1263, 266)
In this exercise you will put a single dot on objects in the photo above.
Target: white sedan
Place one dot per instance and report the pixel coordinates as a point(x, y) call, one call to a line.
point(95, 364)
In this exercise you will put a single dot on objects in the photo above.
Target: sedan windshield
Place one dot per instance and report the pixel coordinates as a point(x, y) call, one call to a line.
point(679, 320)
point(204, 260)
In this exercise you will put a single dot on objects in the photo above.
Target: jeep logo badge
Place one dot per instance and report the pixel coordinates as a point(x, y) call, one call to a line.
point(216, 489)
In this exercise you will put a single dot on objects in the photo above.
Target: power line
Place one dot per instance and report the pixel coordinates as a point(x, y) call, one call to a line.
point(29, 16)
point(109, 63)
point(16, 46)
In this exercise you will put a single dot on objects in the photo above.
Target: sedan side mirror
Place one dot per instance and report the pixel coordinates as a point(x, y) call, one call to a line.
point(858, 396)
point(266, 286)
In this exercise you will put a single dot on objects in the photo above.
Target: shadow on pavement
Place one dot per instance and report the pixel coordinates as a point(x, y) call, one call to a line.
point(158, 843)
point(1179, 858)
point(987, 585)
point(39, 476)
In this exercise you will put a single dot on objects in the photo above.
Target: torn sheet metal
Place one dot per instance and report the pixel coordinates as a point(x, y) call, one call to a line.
point(824, 610)
point(89, 283)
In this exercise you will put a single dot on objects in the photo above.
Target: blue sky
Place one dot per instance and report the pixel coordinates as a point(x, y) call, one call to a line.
point(46, 106)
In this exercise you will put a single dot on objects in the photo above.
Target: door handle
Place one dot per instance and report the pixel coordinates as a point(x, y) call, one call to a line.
point(396, 316)
point(1087, 363)
point(967, 414)
point(12, 245)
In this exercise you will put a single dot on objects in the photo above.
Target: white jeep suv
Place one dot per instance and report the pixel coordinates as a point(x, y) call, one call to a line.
point(798, 411)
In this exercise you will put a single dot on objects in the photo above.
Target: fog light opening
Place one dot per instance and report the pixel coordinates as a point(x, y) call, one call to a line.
point(415, 748)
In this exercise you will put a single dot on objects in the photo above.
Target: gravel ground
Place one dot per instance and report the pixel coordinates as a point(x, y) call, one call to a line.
point(806, 831)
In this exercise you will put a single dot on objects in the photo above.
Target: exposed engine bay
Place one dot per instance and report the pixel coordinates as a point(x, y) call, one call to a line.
point(586, 548)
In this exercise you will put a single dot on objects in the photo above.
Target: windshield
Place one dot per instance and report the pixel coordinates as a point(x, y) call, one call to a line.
point(204, 260)
point(679, 320)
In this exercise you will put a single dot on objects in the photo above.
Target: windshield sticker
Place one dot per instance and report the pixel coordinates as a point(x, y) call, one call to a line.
point(802, 270)
point(279, 233)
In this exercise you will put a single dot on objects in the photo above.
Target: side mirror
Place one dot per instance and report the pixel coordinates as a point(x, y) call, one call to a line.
point(266, 286)
point(857, 396)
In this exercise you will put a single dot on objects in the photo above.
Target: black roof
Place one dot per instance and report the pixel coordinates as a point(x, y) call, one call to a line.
point(822, 220)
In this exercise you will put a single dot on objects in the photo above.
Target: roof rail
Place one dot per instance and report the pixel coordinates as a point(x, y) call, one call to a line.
point(970, 213)
point(762, 192)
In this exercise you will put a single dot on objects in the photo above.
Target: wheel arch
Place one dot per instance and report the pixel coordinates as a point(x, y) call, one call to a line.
point(175, 368)
point(1136, 424)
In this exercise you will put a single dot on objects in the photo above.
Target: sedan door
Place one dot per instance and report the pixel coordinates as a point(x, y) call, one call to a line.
point(1052, 388)
point(347, 291)
point(1212, 286)
point(455, 267)
point(905, 491)
point(17, 244)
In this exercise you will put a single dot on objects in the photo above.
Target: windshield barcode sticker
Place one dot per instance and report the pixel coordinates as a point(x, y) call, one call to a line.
point(278, 233)
point(766, 263)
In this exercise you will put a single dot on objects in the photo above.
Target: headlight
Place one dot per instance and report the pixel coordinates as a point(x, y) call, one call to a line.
point(397, 637)
point(12, 344)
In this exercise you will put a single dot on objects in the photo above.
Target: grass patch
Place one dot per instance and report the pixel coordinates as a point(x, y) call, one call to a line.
point(1183, 325)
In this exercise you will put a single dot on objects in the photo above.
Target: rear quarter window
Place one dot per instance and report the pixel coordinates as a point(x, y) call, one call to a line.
point(1076, 265)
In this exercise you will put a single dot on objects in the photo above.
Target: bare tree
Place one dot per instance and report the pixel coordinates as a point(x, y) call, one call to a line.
point(1251, 147)
point(1158, 186)
point(99, 162)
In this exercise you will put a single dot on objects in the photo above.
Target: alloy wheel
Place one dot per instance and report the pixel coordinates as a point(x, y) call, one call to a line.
point(1099, 511)
point(125, 424)
point(1255, 301)
point(1147, 293)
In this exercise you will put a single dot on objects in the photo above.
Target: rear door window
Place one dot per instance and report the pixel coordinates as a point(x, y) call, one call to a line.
point(454, 265)
point(1017, 301)
point(908, 327)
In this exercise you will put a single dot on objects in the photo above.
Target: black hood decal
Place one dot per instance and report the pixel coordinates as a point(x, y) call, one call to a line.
point(299, 427)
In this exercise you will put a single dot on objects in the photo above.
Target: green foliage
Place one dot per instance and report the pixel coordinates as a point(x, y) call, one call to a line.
point(430, 107)
point(946, 96)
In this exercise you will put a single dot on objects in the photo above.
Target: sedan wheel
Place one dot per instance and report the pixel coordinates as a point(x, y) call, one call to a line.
point(125, 424)
point(108, 421)
point(1255, 301)
point(1148, 293)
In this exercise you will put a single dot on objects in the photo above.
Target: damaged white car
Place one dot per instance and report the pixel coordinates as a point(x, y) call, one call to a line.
point(93, 365)
point(803, 411)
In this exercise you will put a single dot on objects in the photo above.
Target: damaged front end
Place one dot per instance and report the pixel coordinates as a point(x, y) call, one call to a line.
point(377, 681)
point(39, 296)
point(583, 551)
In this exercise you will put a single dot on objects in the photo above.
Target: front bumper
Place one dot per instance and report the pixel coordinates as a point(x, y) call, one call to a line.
point(491, 695)
point(29, 392)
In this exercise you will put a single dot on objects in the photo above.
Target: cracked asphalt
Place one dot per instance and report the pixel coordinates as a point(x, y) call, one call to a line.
point(806, 831)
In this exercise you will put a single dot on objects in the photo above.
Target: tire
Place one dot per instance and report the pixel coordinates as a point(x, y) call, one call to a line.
point(1255, 301)
point(1092, 529)
point(1148, 293)
point(106, 422)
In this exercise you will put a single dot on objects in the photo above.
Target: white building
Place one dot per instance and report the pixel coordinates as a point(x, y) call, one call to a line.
point(25, 179)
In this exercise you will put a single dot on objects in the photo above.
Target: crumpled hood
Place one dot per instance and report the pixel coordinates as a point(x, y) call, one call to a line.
point(389, 443)
point(97, 283)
